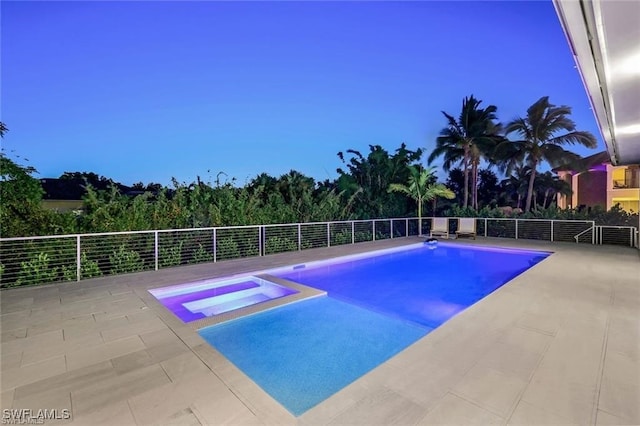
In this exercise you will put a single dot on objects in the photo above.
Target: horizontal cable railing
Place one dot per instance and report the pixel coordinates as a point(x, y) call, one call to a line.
point(617, 235)
point(44, 259)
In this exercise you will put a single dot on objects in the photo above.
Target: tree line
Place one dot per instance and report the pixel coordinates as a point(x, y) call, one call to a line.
point(473, 147)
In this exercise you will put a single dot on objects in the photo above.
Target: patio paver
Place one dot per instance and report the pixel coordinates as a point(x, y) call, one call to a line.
point(559, 344)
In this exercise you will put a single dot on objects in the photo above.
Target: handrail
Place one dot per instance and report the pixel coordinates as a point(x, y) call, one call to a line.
point(575, 237)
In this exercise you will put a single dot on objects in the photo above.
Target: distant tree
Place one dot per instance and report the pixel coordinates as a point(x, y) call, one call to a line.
point(514, 187)
point(455, 182)
point(420, 189)
point(366, 180)
point(466, 140)
point(488, 187)
point(544, 130)
point(20, 196)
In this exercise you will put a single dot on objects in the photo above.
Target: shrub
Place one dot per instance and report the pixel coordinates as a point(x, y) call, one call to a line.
point(124, 261)
point(201, 255)
point(170, 256)
point(36, 271)
point(88, 269)
point(279, 244)
point(227, 249)
point(340, 238)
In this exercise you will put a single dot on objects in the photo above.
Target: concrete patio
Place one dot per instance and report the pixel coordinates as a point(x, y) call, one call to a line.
point(559, 344)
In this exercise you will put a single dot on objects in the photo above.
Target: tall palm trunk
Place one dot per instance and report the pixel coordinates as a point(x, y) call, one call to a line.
point(532, 178)
point(474, 185)
point(466, 176)
point(419, 216)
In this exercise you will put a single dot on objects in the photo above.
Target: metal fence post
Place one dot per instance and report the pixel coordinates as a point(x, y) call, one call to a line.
point(214, 245)
point(516, 229)
point(78, 256)
point(391, 228)
point(485, 227)
point(353, 232)
point(260, 230)
point(374, 230)
point(328, 235)
point(406, 227)
point(299, 237)
point(552, 230)
point(155, 248)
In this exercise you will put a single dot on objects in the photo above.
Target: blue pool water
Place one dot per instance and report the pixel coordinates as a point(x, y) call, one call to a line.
point(304, 352)
point(423, 285)
point(376, 306)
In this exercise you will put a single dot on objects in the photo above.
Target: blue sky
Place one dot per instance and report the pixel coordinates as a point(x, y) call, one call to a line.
point(146, 91)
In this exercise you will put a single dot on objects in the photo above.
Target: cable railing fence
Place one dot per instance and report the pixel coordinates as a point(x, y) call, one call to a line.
point(45, 259)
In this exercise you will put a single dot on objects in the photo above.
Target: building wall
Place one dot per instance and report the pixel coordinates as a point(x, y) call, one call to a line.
point(627, 195)
point(592, 189)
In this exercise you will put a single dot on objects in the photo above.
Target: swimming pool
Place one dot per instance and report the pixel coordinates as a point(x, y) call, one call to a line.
point(377, 305)
point(423, 285)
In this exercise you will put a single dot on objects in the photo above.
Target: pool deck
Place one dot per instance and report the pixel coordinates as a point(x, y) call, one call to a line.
point(559, 344)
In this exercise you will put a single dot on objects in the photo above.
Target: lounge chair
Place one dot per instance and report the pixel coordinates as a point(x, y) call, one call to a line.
point(466, 227)
point(440, 227)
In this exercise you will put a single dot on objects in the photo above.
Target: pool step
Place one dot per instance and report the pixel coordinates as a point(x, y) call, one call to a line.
point(230, 301)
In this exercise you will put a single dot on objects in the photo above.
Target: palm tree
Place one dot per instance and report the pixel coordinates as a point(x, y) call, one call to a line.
point(543, 131)
point(466, 140)
point(420, 187)
point(515, 185)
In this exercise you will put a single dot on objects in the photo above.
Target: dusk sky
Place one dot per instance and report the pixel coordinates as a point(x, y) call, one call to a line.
point(146, 91)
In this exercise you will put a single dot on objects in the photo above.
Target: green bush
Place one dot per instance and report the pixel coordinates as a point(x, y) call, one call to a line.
point(171, 256)
point(124, 261)
point(340, 238)
point(201, 255)
point(88, 269)
point(37, 271)
point(227, 249)
point(361, 236)
point(279, 244)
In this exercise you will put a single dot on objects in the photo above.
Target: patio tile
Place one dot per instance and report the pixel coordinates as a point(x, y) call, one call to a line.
point(11, 360)
point(127, 330)
point(223, 410)
point(52, 400)
point(382, 406)
point(95, 354)
point(20, 376)
point(37, 354)
point(453, 410)
point(570, 400)
point(425, 382)
point(112, 390)
point(619, 392)
point(18, 333)
point(532, 415)
point(260, 402)
point(491, 389)
point(158, 404)
point(624, 336)
point(184, 417)
point(184, 367)
point(540, 322)
point(39, 341)
point(604, 418)
point(75, 380)
point(117, 413)
point(131, 361)
point(6, 398)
